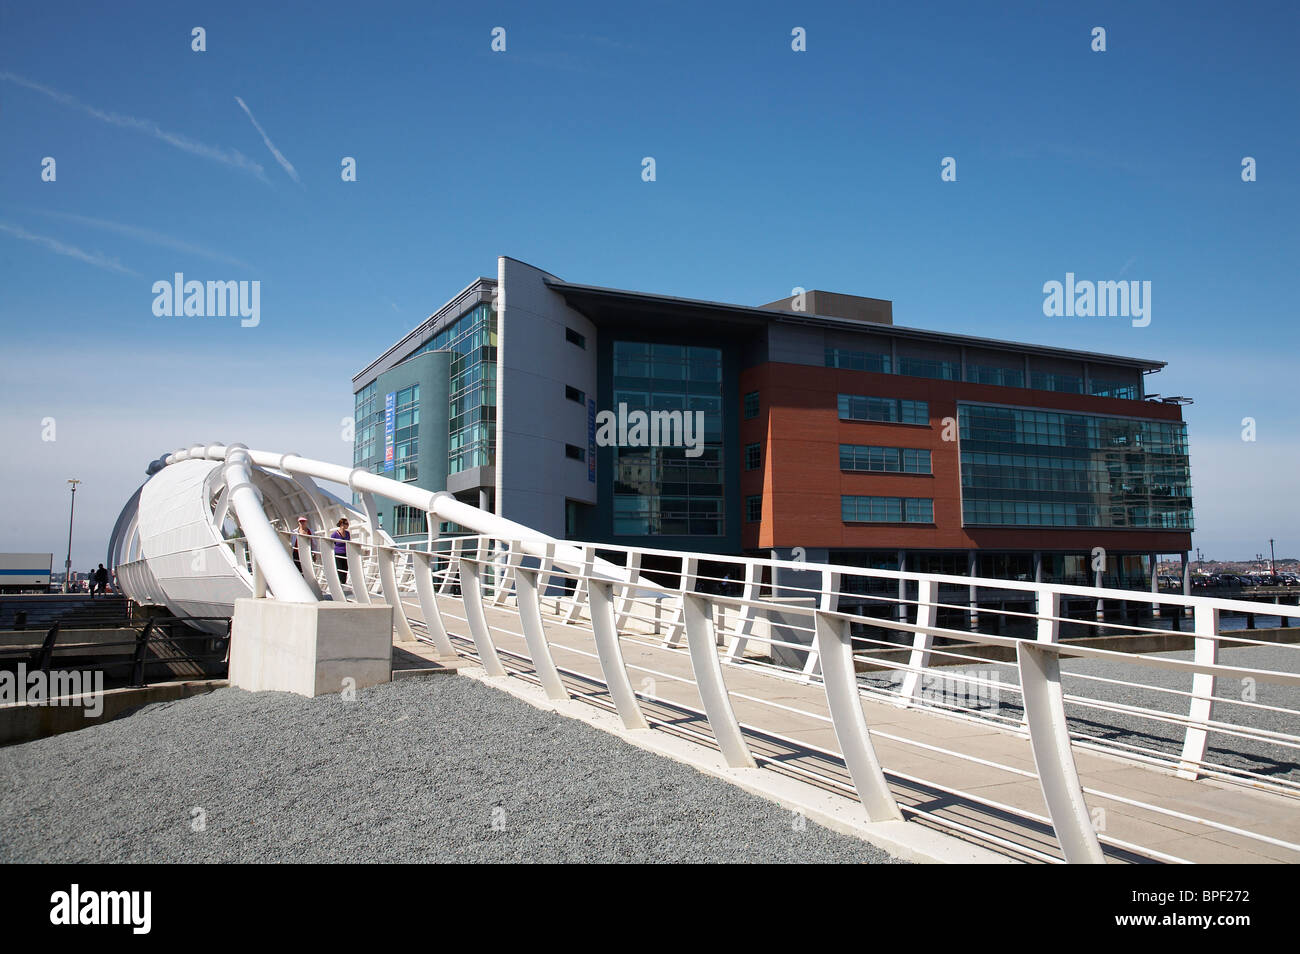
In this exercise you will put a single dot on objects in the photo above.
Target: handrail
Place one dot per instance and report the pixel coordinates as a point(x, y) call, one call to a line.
point(814, 631)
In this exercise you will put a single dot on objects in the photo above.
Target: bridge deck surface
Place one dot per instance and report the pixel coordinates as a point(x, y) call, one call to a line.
point(990, 809)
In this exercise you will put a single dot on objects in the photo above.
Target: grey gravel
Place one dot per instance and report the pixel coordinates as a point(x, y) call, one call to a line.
point(412, 771)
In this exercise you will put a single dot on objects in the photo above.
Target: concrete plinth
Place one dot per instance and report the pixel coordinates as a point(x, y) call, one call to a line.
point(310, 648)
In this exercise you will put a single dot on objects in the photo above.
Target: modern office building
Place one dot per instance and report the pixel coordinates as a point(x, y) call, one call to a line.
point(825, 427)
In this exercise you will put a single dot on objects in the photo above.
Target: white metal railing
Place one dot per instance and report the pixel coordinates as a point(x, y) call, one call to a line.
point(852, 633)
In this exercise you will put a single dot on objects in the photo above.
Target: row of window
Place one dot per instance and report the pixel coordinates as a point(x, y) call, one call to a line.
point(881, 362)
point(885, 460)
point(865, 509)
point(1037, 513)
point(887, 509)
point(858, 407)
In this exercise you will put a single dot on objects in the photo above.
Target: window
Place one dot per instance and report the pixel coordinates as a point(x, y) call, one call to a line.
point(887, 509)
point(857, 407)
point(753, 456)
point(574, 452)
point(914, 412)
point(877, 361)
point(990, 374)
point(1101, 387)
point(929, 368)
point(409, 520)
point(751, 405)
point(573, 337)
point(918, 510)
point(887, 460)
point(753, 509)
point(1065, 383)
point(573, 394)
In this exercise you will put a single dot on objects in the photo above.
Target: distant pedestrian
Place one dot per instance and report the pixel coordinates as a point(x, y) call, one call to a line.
point(340, 535)
point(99, 582)
point(304, 532)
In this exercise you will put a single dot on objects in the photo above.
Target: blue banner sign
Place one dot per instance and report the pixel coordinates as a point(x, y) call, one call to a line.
point(390, 419)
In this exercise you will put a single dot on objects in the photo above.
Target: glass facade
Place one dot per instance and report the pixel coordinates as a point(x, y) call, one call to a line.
point(406, 434)
point(472, 401)
point(1052, 469)
point(1006, 371)
point(368, 443)
point(660, 490)
point(472, 341)
point(370, 447)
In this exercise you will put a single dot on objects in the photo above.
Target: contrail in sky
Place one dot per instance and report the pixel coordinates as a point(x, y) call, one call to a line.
point(149, 236)
point(279, 156)
point(229, 157)
point(61, 248)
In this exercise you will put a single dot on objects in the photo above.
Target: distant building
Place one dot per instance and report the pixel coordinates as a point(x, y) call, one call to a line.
point(829, 429)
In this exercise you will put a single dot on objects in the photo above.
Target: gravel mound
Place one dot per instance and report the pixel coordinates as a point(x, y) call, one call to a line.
point(422, 770)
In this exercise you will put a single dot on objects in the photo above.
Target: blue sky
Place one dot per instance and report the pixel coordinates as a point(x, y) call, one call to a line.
point(774, 169)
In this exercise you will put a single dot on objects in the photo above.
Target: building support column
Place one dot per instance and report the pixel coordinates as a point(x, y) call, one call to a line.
point(1098, 581)
point(900, 611)
point(973, 596)
point(1155, 582)
point(1038, 566)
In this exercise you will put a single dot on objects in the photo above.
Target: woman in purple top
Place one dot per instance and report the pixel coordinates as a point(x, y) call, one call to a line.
point(339, 535)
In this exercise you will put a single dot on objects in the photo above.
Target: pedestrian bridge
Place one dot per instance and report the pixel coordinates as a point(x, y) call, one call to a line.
point(972, 711)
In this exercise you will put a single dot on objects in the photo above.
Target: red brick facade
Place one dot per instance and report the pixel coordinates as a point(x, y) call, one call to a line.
point(801, 483)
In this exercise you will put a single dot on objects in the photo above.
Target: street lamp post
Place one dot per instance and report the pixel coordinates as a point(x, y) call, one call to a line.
point(1272, 558)
point(67, 564)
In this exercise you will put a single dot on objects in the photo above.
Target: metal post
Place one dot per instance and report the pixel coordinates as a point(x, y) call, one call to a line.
point(1205, 649)
point(836, 651)
point(141, 644)
point(46, 652)
point(72, 509)
point(708, 679)
point(1049, 738)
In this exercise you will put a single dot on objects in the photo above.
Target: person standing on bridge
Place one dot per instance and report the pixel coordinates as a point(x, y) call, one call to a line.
point(304, 533)
point(340, 536)
point(99, 582)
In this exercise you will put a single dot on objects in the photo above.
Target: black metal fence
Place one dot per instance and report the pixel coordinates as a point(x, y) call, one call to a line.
point(156, 633)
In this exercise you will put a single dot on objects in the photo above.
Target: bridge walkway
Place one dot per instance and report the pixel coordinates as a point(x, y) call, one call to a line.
point(958, 775)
